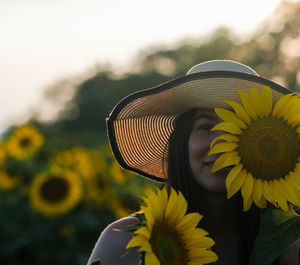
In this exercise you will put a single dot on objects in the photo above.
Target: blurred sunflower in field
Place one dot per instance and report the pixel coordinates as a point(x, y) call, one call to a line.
point(25, 141)
point(55, 192)
point(8, 181)
point(77, 159)
point(99, 188)
point(3, 154)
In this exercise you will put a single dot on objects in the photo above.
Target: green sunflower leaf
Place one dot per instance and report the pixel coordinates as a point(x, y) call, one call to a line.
point(278, 231)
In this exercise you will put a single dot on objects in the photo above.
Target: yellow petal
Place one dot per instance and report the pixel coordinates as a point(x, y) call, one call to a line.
point(143, 230)
point(136, 241)
point(227, 127)
point(225, 160)
point(290, 191)
point(247, 192)
point(293, 117)
point(279, 195)
point(172, 203)
point(195, 262)
point(280, 105)
point(206, 256)
point(239, 110)
point(189, 222)
point(227, 115)
point(205, 242)
point(236, 184)
point(223, 147)
point(199, 232)
point(182, 203)
point(257, 191)
point(295, 180)
point(151, 212)
point(226, 137)
point(262, 203)
point(245, 97)
point(150, 258)
point(162, 197)
point(266, 95)
point(176, 207)
point(233, 174)
point(267, 191)
point(247, 203)
point(256, 101)
point(146, 247)
point(291, 104)
point(294, 111)
point(148, 216)
point(295, 123)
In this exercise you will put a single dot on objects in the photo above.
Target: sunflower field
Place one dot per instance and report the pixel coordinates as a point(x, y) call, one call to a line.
point(54, 204)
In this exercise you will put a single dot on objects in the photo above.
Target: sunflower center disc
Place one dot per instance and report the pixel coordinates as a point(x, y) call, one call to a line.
point(55, 189)
point(269, 148)
point(25, 142)
point(167, 245)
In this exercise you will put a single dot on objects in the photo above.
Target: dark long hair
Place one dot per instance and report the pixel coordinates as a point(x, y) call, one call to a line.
point(180, 178)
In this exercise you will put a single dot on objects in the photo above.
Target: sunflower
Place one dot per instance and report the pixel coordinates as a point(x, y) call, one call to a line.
point(98, 189)
point(169, 235)
point(24, 142)
point(262, 145)
point(78, 159)
point(55, 192)
point(8, 181)
point(3, 154)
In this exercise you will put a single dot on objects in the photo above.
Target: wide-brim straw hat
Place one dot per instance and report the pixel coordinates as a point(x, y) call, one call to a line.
point(140, 125)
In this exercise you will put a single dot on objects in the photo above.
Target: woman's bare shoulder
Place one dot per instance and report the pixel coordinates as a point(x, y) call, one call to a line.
point(111, 245)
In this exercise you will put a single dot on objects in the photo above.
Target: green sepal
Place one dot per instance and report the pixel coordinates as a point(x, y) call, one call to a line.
point(132, 227)
point(278, 231)
point(142, 258)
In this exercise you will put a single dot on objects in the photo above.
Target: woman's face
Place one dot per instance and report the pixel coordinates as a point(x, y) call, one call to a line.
point(199, 146)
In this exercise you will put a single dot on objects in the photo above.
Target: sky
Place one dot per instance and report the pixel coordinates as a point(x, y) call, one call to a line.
point(43, 41)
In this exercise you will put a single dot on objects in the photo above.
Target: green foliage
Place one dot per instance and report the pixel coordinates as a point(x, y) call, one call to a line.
point(278, 231)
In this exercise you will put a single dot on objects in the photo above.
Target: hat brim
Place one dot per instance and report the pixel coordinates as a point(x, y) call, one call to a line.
point(140, 125)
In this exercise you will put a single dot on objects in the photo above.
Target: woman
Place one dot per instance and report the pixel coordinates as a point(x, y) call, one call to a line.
point(164, 134)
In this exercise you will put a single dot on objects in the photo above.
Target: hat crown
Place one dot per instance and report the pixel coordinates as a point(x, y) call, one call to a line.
point(222, 65)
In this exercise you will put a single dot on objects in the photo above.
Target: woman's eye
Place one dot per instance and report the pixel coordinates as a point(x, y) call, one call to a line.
point(205, 127)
